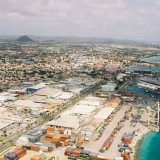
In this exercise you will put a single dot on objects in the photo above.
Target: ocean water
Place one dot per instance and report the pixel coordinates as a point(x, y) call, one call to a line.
point(144, 68)
point(141, 92)
point(150, 147)
point(154, 59)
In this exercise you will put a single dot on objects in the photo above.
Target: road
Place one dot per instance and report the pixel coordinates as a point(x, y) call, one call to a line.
point(113, 152)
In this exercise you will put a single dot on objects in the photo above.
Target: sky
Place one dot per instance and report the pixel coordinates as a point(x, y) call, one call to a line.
point(124, 19)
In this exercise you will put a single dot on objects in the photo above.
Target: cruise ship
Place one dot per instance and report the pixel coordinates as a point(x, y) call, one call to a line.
point(149, 84)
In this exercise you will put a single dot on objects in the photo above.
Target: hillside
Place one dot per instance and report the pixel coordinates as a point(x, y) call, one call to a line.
point(24, 39)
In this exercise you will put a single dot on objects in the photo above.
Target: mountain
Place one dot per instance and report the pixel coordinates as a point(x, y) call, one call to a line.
point(24, 39)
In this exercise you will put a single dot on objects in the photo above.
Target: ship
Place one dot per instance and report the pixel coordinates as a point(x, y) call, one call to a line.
point(149, 84)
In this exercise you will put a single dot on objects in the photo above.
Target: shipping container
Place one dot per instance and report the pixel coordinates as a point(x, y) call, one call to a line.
point(125, 156)
point(80, 142)
point(36, 158)
point(73, 151)
point(107, 144)
point(10, 156)
point(50, 129)
point(20, 152)
point(66, 142)
point(64, 137)
point(128, 137)
point(33, 139)
point(44, 148)
point(35, 148)
point(82, 154)
point(50, 135)
point(61, 130)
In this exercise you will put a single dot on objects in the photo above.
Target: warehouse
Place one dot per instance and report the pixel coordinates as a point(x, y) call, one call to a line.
point(5, 98)
point(100, 117)
point(8, 94)
point(109, 87)
point(36, 87)
point(5, 126)
point(95, 99)
point(91, 126)
point(104, 113)
point(83, 110)
point(18, 91)
point(37, 98)
point(8, 113)
point(80, 81)
point(49, 92)
point(66, 122)
point(76, 90)
point(94, 123)
point(92, 103)
point(27, 103)
point(65, 95)
point(9, 121)
point(113, 103)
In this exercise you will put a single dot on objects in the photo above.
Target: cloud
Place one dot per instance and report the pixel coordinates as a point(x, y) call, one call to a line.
point(129, 19)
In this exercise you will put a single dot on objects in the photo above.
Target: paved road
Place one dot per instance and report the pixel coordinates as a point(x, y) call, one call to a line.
point(96, 145)
point(112, 152)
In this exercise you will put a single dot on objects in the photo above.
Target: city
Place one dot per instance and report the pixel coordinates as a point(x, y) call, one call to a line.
point(77, 96)
point(79, 80)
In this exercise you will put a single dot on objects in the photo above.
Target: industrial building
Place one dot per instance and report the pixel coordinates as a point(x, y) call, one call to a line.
point(109, 87)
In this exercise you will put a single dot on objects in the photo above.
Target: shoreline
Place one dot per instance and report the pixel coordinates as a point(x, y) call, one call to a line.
point(137, 145)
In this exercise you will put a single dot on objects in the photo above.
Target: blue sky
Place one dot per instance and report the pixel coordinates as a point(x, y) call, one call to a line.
point(125, 19)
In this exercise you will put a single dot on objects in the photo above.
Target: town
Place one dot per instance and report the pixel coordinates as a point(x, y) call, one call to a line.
point(77, 100)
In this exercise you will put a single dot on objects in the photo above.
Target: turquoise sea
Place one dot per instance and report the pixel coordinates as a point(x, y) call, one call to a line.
point(150, 147)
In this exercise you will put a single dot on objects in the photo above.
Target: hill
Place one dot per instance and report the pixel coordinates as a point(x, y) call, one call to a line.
point(24, 39)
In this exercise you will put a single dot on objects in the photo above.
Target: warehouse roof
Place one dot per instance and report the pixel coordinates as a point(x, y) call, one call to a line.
point(66, 122)
point(27, 103)
point(39, 86)
point(4, 123)
point(92, 125)
point(113, 103)
point(83, 109)
point(97, 99)
point(7, 98)
point(76, 90)
point(104, 113)
point(92, 103)
point(65, 95)
point(47, 91)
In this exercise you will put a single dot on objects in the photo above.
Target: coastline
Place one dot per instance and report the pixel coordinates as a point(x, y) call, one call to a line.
point(136, 146)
